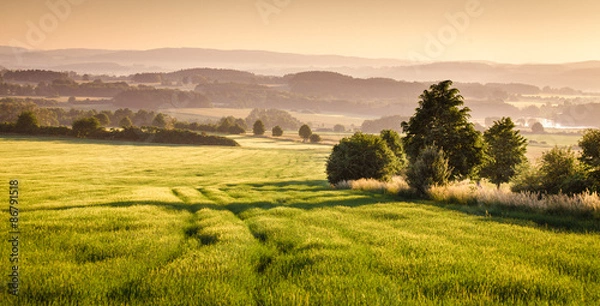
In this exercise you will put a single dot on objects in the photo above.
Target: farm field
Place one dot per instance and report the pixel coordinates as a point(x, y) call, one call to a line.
point(316, 120)
point(138, 224)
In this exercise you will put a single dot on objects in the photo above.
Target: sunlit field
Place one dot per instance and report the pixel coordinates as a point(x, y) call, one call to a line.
point(141, 224)
point(316, 120)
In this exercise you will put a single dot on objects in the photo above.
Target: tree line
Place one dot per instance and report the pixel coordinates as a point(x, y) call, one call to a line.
point(92, 128)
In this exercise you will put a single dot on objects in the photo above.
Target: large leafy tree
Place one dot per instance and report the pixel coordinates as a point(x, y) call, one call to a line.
point(505, 151)
point(440, 121)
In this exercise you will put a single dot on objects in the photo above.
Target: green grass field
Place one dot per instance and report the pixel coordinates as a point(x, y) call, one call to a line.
point(138, 224)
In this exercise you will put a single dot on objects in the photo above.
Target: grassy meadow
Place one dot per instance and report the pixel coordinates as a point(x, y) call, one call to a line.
point(143, 224)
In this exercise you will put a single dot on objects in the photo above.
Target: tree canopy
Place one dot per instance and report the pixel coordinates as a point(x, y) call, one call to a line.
point(361, 156)
point(505, 151)
point(305, 132)
point(439, 121)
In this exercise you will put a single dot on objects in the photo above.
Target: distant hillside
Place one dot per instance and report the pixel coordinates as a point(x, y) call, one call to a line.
point(582, 76)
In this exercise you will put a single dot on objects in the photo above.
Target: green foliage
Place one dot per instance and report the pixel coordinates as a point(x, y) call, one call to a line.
point(384, 123)
point(85, 127)
point(277, 131)
point(228, 125)
point(430, 168)
point(27, 123)
point(558, 171)
point(125, 122)
point(440, 121)
point(258, 128)
point(272, 118)
point(103, 119)
point(505, 151)
point(160, 121)
point(590, 156)
point(305, 132)
point(393, 141)
point(361, 156)
point(314, 138)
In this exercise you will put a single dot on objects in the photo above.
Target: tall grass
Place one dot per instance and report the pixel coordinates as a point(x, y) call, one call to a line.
point(485, 194)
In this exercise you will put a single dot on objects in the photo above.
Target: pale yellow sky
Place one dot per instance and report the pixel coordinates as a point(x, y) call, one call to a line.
point(439, 30)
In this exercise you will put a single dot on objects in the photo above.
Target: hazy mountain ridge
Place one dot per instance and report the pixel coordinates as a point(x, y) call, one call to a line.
point(581, 75)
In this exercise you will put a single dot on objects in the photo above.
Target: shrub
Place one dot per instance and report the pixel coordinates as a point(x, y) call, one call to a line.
point(429, 169)
point(537, 128)
point(258, 128)
point(338, 128)
point(558, 171)
point(27, 123)
point(314, 138)
point(361, 156)
point(82, 128)
point(277, 131)
point(305, 132)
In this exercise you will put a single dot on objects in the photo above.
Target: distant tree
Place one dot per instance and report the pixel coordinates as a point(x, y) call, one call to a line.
point(27, 122)
point(440, 121)
point(103, 119)
point(160, 121)
point(338, 128)
point(393, 141)
point(430, 168)
point(314, 138)
point(505, 151)
point(82, 128)
point(258, 128)
point(125, 122)
point(537, 128)
point(277, 131)
point(72, 100)
point(361, 156)
point(236, 130)
point(305, 132)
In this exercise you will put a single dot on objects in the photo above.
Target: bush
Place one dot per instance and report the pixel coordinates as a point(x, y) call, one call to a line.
point(83, 128)
point(314, 138)
point(537, 128)
point(361, 156)
point(277, 131)
point(305, 132)
point(558, 171)
point(259, 128)
point(27, 123)
point(429, 169)
point(338, 128)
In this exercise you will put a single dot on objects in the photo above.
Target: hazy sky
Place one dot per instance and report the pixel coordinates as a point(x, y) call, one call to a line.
point(513, 31)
